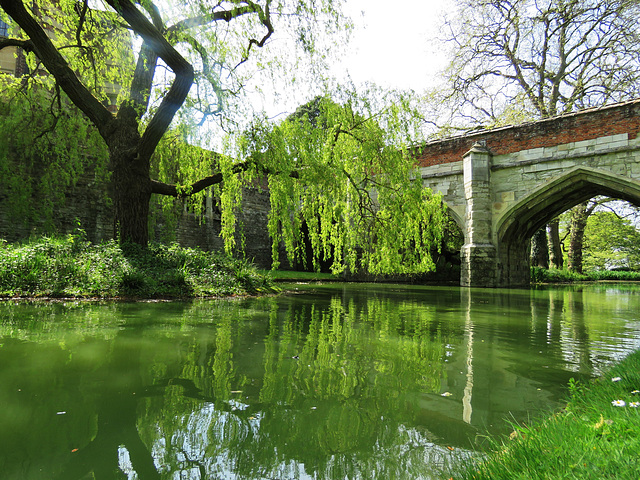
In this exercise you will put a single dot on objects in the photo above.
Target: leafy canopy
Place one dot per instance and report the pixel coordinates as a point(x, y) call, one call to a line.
point(345, 171)
point(46, 145)
point(611, 242)
point(155, 61)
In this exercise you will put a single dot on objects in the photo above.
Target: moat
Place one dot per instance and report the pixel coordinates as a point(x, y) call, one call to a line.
point(326, 381)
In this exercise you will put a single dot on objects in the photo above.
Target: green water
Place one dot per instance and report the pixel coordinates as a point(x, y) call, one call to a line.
point(331, 381)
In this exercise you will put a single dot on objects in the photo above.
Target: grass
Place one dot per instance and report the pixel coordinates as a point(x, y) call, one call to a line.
point(591, 438)
point(70, 266)
point(553, 275)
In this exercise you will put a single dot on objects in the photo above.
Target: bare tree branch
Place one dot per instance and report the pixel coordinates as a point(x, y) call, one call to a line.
point(559, 55)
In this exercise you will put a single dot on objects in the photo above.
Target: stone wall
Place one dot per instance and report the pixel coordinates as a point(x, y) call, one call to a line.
point(190, 230)
point(87, 207)
point(622, 118)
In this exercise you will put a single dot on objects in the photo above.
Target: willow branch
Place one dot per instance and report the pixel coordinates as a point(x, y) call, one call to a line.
point(182, 69)
point(58, 67)
point(171, 190)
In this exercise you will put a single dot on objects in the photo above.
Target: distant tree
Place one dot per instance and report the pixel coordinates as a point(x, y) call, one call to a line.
point(539, 250)
point(556, 257)
point(541, 58)
point(517, 60)
point(578, 220)
point(579, 215)
point(611, 242)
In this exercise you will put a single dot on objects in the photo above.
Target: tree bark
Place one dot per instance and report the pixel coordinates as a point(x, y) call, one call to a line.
point(556, 258)
point(579, 215)
point(130, 151)
point(539, 249)
point(130, 181)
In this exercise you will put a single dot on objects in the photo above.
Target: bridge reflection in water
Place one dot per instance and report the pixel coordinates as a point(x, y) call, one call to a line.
point(334, 381)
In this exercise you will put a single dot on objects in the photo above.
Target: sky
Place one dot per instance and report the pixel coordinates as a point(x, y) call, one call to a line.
point(391, 46)
point(391, 43)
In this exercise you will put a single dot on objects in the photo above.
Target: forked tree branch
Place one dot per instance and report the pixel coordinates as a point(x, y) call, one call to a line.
point(58, 66)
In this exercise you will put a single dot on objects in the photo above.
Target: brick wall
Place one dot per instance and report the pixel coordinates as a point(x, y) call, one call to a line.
point(623, 118)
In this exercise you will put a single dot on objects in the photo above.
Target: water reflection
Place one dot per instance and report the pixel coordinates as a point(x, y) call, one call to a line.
point(339, 382)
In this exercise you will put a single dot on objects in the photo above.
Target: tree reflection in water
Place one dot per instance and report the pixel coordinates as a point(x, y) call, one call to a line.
point(346, 384)
point(332, 399)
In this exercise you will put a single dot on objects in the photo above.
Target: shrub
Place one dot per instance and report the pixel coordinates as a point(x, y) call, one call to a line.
point(552, 275)
point(73, 267)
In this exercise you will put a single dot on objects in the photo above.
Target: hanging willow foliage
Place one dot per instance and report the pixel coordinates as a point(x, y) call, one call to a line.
point(346, 173)
point(156, 63)
point(45, 147)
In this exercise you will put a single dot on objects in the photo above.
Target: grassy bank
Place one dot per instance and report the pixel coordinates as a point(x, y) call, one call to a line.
point(553, 275)
point(70, 266)
point(597, 436)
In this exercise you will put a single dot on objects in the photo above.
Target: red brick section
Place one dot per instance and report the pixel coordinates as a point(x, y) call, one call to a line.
point(575, 127)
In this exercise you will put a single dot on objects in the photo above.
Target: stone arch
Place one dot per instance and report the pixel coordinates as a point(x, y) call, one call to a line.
point(455, 216)
point(516, 226)
point(448, 261)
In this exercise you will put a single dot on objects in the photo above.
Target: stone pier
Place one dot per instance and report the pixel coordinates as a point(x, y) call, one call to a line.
point(478, 252)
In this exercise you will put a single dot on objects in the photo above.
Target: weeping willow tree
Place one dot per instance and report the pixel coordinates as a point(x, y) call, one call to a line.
point(152, 79)
point(147, 61)
point(346, 172)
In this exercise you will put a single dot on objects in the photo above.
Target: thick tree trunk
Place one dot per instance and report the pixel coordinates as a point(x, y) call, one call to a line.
point(579, 215)
point(540, 249)
point(131, 197)
point(556, 258)
point(130, 182)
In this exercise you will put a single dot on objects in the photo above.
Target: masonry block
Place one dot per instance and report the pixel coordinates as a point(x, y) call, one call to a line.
point(504, 165)
point(479, 265)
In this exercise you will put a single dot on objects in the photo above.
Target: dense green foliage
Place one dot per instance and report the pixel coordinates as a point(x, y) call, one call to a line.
point(345, 173)
point(553, 275)
point(105, 56)
point(73, 267)
point(610, 242)
point(596, 436)
point(611, 250)
point(45, 146)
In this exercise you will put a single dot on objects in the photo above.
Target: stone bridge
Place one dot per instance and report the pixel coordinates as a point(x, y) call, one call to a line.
point(502, 185)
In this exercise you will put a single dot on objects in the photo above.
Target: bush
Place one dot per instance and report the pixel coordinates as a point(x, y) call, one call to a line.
point(73, 267)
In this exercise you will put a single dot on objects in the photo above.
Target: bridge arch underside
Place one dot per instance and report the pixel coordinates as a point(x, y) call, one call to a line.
point(517, 226)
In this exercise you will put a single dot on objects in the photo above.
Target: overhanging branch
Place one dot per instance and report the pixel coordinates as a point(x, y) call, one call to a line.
point(171, 190)
point(55, 63)
point(26, 45)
